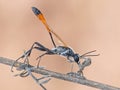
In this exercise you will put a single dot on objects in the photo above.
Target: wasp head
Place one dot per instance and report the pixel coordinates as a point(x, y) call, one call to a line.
point(76, 58)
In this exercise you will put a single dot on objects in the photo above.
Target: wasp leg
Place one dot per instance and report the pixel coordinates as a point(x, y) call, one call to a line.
point(39, 59)
point(39, 81)
point(48, 52)
point(85, 63)
point(71, 61)
point(38, 45)
point(22, 74)
point(26, 59)
point(28, 53)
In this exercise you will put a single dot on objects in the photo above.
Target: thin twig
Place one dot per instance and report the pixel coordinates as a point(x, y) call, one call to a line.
point(62, 76)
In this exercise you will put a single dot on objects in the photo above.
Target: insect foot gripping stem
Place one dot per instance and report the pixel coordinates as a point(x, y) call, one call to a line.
point(24, 56)
point(24, 73)
point(39, 81)
point(76, 75)
point(27, 71)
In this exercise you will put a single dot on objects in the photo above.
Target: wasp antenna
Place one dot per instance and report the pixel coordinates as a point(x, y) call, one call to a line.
point(86, 54)
point(36, 11)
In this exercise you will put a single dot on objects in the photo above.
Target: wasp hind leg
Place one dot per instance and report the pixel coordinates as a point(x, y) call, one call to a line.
point(23, 56)
point(26, 54)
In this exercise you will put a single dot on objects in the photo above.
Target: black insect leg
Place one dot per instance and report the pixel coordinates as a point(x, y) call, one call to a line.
point(28, 53)
point(38, 47)
point(48, 52)
point(26, 59)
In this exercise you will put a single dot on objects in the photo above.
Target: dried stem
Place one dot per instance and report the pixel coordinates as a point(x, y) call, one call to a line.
point(62, 76)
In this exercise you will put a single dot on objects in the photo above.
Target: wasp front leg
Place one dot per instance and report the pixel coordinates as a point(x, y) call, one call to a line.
point(85, 63)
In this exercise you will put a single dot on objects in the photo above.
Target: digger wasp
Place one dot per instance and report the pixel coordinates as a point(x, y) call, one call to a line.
point(63, 50)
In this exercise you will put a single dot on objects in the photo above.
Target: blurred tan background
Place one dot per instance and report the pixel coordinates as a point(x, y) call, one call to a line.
point(85, 25)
